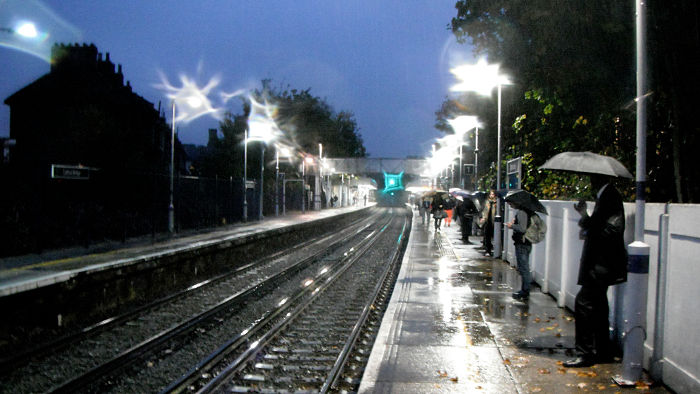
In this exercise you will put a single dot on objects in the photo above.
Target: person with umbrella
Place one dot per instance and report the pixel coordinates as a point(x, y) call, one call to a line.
point(525, 205)
point(604, 256)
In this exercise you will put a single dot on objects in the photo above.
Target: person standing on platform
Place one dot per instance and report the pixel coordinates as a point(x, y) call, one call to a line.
point(424, 210)
point(488, 215)
point(523, 247)
point(603, 263)
point(466, 211)
point(439, 213)
point(449, 209)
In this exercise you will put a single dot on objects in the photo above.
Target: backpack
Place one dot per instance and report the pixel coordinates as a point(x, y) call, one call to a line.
point(536, 230)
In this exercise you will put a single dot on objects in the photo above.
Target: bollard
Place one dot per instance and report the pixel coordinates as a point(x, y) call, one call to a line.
point(635, 314)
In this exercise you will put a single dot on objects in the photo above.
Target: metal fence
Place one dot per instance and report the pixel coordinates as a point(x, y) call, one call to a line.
point(39, 213)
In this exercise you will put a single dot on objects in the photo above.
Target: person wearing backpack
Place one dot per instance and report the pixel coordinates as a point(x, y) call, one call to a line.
point(523, 247)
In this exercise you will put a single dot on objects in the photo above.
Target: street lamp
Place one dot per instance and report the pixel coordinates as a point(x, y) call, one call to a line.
point(286, 153)
point(263, 128)
point(306, 160)
point(245, 175)
point(482, 78)
point(171, 206)
point(317, 182)
point(461, 126)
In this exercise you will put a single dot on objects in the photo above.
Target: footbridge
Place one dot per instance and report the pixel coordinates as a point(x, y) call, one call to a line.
point(413, 168)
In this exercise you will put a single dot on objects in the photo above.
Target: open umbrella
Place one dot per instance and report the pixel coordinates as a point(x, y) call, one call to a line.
point(588, 163)
point(525, 200)
point(437, 193)
point(457, 192)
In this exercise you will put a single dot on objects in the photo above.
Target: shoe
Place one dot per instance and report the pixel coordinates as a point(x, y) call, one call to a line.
point(579, 362)
point(521, 296)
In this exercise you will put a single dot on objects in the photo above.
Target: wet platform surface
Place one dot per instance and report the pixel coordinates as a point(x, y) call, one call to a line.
point(452, 326)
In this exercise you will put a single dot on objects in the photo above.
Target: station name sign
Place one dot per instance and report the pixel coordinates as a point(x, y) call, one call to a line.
point(64, 171)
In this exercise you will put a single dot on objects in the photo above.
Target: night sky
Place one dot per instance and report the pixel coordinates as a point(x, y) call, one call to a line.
point(386, 61)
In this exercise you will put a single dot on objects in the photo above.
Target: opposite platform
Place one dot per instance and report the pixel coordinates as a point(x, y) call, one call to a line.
point(22, 273)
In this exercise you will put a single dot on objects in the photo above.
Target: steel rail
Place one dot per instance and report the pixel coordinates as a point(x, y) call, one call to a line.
point(128, 356)
point(328, 279)
point(337, 369)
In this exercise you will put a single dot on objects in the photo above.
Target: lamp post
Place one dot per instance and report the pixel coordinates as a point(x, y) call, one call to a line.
point(461, 126)
point(262, 169)
point(262, 128)
point(476, 157)
point(245, 175)
point(482, 78)
point(277, 177)
point(171, 205)
point(317, 181)
point(636, 288)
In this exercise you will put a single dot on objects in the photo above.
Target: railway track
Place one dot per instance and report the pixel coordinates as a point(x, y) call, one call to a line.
point(308, 347)
point(91, 364)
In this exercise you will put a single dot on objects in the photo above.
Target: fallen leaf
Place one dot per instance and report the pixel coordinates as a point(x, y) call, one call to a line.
point(561, 370)
point(506, 362)
point(479, 388)
point(454, 380)
point(542, 329)
point(586, 374)
point(582, 385)
point(543, 371)
point(568, 318)
point(601, 387)
point(537, 320)
point(442, 374)
point(560, 363)
point(536, 389)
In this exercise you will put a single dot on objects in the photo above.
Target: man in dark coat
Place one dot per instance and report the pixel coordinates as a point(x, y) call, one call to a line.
point(466, 210)
point(603, 263)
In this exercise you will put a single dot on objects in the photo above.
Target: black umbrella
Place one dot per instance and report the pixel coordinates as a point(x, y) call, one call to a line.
point(588, 163)
point(525, 200)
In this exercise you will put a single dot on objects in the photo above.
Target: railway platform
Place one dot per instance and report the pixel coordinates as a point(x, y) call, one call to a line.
point(21, 273)
point(452, 327)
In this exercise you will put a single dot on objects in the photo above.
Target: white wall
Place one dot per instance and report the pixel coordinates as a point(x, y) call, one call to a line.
point(555, 263)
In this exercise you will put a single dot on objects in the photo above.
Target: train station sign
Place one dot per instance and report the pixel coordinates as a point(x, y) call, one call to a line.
point(64, 171)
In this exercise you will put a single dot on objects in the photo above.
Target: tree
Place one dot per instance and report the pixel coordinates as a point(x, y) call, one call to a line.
point(305, 121)
point(573, 63)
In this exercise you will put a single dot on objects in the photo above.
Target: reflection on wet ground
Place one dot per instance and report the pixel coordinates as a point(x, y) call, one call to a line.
point(453, 326)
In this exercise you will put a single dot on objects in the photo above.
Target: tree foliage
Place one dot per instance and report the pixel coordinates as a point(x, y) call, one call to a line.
point(305, 121)
point(574, 67)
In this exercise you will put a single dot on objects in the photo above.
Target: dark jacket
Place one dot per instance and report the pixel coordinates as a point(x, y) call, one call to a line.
point(604, 256)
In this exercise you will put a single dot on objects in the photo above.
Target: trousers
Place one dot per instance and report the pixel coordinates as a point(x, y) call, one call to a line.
point(522, 255)
point(592, 326)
